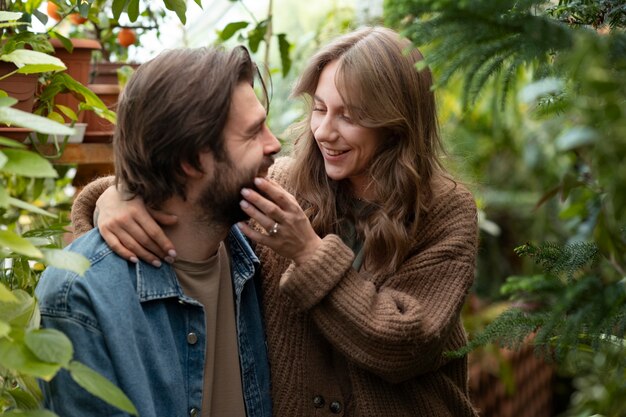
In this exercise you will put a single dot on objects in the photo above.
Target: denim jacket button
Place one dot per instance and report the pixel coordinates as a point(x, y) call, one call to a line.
point(318, 401)
point(192, 339)
point(335, 407)
point(194, 412)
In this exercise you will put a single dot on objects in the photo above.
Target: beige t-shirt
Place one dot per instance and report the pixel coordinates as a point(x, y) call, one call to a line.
point(209, 282)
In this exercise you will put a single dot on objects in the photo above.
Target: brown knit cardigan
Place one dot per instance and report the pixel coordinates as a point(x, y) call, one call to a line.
point(343, 342)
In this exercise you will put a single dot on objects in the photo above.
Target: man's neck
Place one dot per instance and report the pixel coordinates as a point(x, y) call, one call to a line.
point(194, 239)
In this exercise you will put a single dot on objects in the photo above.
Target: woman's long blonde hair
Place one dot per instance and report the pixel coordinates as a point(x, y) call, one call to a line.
point(381, 87)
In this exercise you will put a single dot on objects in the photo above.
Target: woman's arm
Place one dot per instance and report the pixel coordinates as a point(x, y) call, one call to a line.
point(126, 225)
point(395, 326)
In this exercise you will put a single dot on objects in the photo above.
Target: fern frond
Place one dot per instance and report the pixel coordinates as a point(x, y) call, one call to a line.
point(558, 259)
point(509, 330)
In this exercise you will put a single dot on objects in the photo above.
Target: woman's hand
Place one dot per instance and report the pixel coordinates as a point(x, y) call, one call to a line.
point(131, 230)
point(289, 232)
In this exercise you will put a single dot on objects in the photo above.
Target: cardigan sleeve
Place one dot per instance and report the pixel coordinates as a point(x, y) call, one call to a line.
point(395, 326)
point(85, 204)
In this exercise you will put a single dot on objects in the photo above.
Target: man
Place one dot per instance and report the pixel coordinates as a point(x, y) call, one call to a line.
point(185, 339)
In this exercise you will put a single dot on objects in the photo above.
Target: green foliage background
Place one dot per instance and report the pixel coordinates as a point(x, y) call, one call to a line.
point(533, 95)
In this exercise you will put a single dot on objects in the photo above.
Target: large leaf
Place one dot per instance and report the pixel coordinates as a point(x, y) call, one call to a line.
point(133, 10)
point(8, 16)
point(5, 328)
point(231, 29)
point(179, 7)
point(30, 62)
point(22, 313)
point(71, 261)
point(4, 197)
point(6, 296)
point(18, 244)
point(90, 98)
point(40, 124)
point(118, 7)
point(50, 345)
point(27, 206)
point(17, 357)
point(101, 387)
point(3, 160)
point(11, 143)
point(284, 47)
point(256, 35)
point(28, 164)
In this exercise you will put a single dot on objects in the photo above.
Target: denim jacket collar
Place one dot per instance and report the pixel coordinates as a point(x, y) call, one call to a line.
point(158, 283)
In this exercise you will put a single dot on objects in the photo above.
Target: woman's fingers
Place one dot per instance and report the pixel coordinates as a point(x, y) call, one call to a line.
point(275, 192)
point(260, 209)
point(131, 230)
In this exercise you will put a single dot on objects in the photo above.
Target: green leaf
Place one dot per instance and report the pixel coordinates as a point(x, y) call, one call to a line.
point(18, 358)
point(179, 7)
point(28, 164)
point(30, 413)
point(8, 16)
point(133, 10)
point(18, 244)
point(118, 7)
point(101, 387)
point(199, 3)
point(4, 198)
point(6, 296)
point(40, 124)
point(90, 98)
point(50, 345)
point(284, 47)
point(31, 62)
point(231, 29)
point(11, 143)
point(7, 101)
point(67, 111)
point(256, 35)
point(70, 261)
point(22, 313)
point(3, 160)
point(27, 206)
point(66, 42)
point(5, 328)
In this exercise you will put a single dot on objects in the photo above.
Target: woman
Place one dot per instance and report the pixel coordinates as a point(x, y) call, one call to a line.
point(367, 245)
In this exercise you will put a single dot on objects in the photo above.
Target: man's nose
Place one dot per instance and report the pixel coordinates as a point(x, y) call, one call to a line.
point(271, 145)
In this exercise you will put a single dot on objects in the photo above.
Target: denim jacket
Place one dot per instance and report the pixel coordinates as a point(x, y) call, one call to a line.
point(133, 324)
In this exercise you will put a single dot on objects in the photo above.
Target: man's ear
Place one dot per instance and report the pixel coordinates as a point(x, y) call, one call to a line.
point(190, 171)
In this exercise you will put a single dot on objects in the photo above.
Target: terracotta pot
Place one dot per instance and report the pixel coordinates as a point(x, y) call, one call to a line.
point(99, 129)
point(78, 66)
point(19, 86)
point(16, 133)
point(105, 72)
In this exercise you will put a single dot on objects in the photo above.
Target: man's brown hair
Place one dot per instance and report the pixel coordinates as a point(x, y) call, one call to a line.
point(174, 107)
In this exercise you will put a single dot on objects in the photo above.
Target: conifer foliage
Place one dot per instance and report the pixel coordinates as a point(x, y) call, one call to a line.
point(564, 62)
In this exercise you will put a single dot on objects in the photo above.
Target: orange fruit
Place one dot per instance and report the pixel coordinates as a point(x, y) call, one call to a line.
point(53, 11)
point(126, 37)
point(77, 19)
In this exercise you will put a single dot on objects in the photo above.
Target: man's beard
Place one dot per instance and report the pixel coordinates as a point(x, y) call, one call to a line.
point(220, 199)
